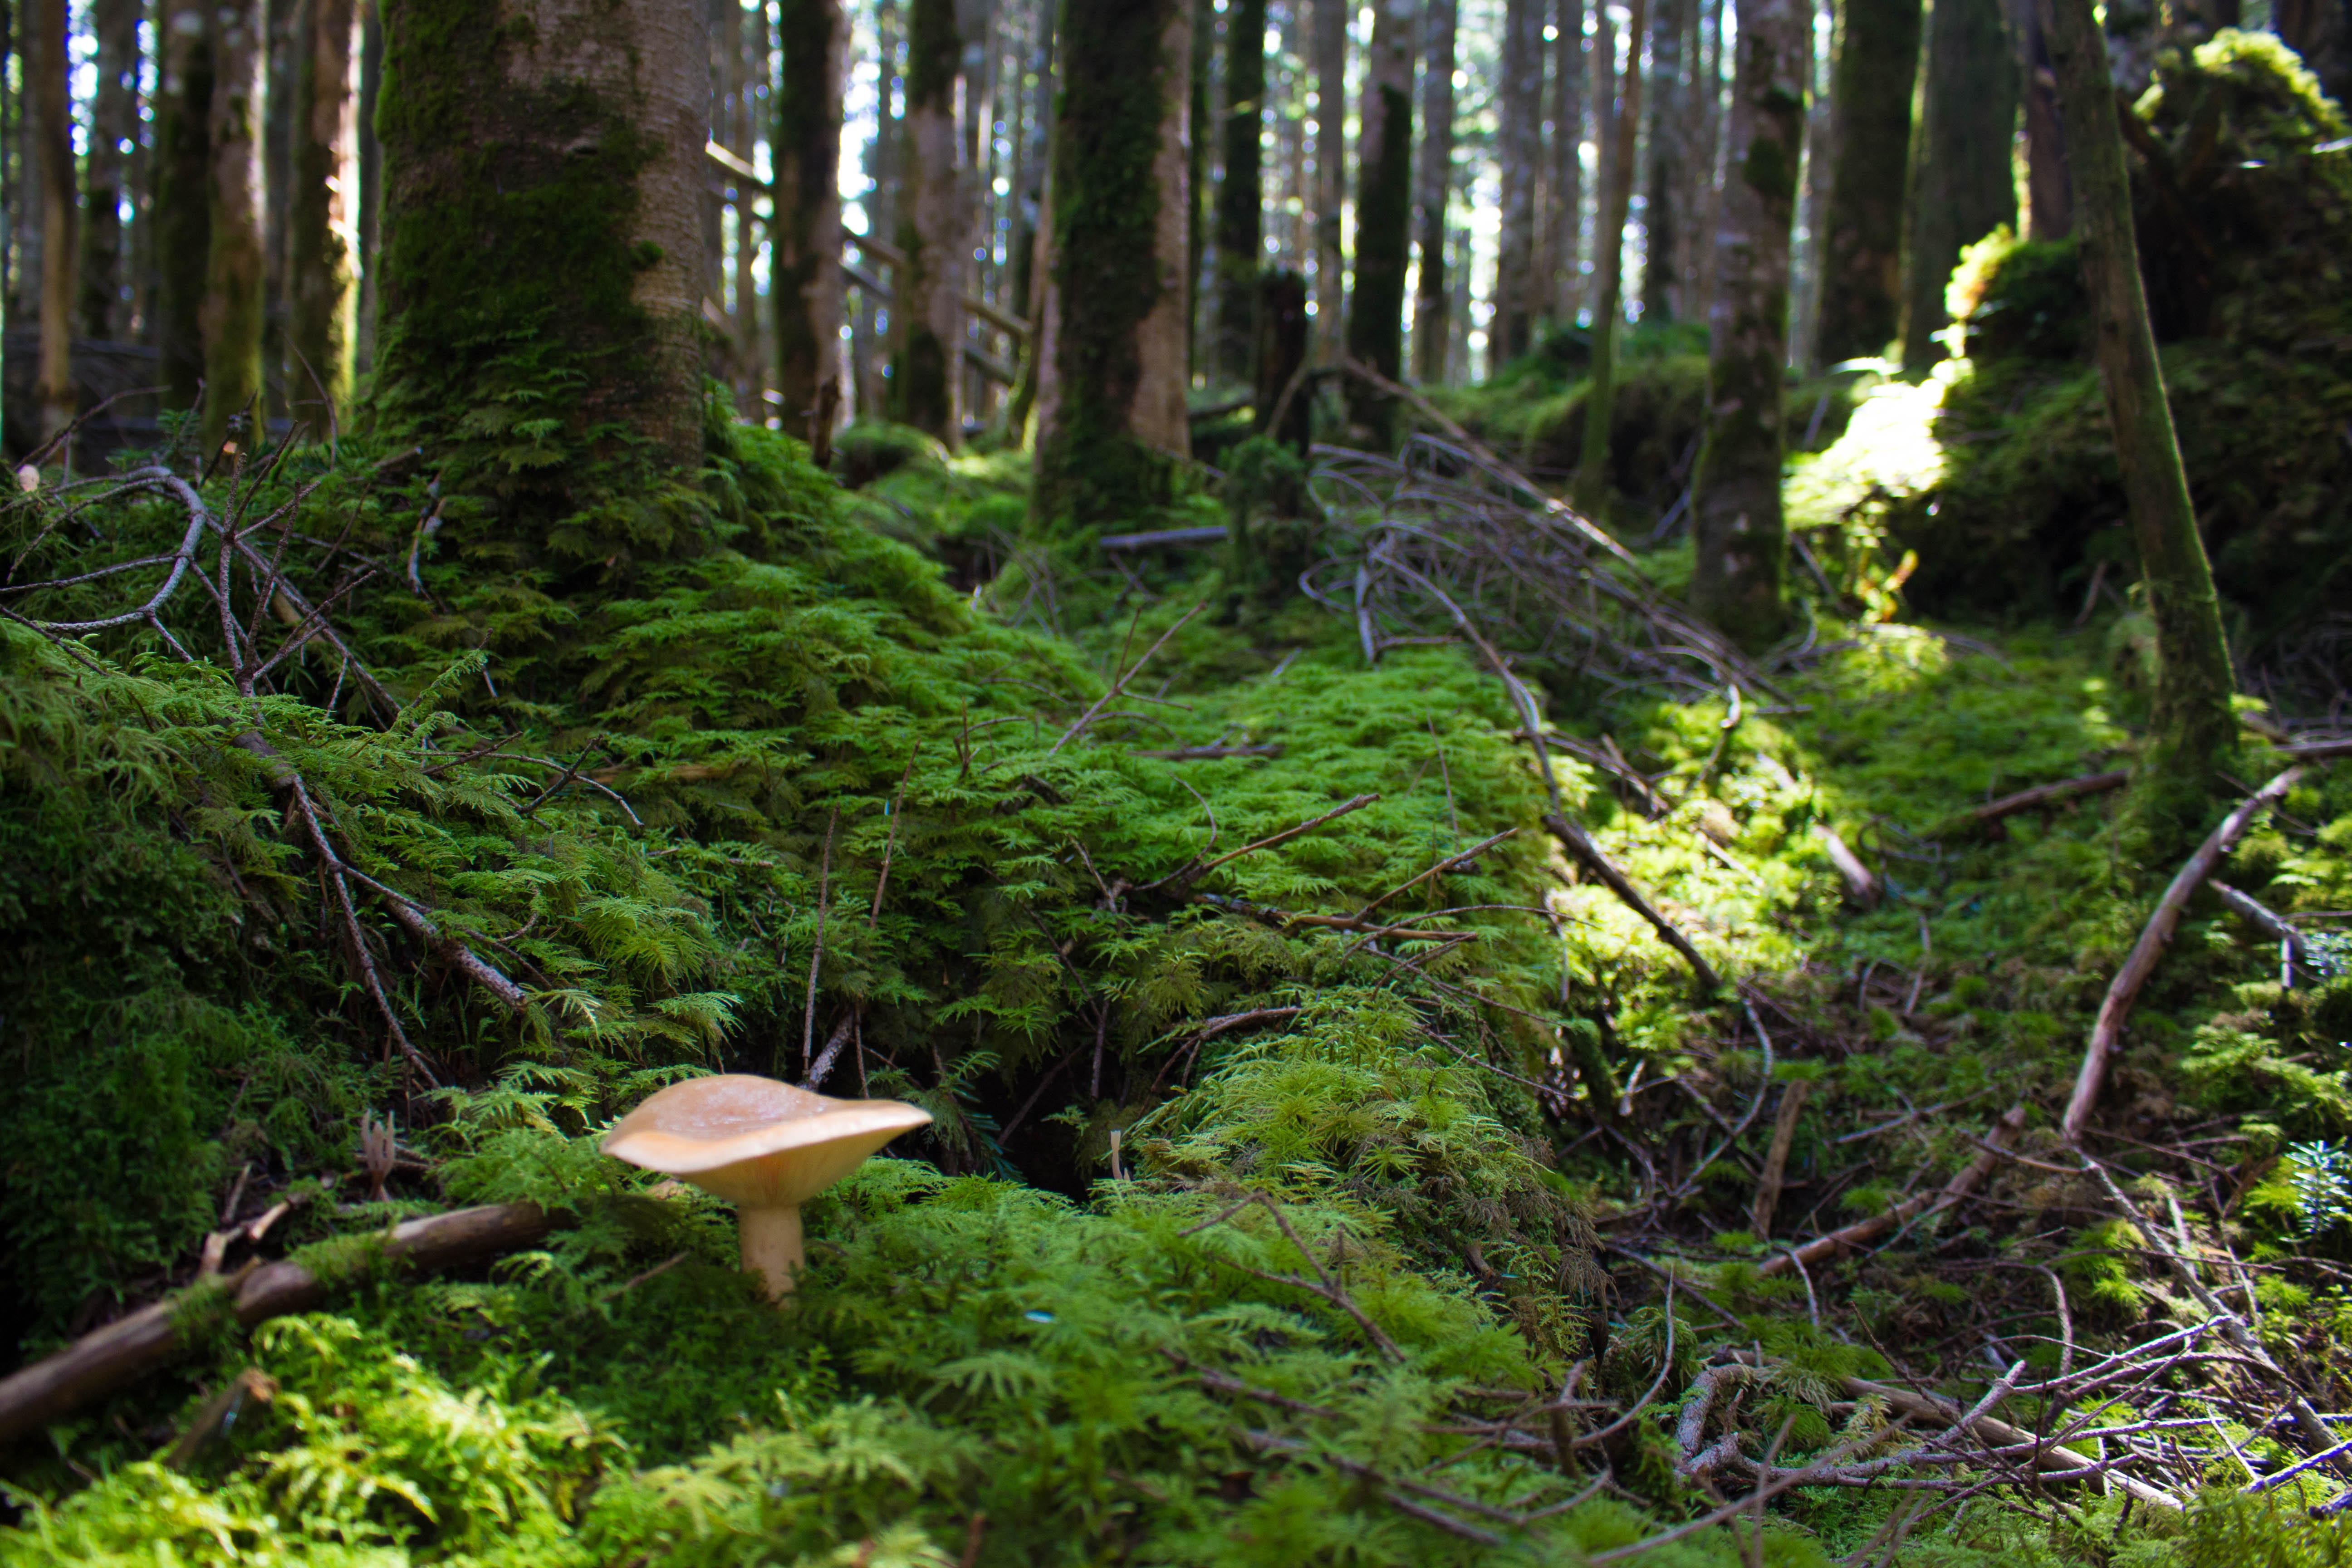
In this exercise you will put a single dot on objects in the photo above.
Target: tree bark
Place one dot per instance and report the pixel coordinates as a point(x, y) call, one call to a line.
point(1432, 184)
point(1961, 185)
point(52, 122)
point(1736, 519)
point(756, 70)
point(1196, 214)
point(1877, 64)
point(1241, 210)
point(1569, 72)
point(805, 263)
point(2193, 733)
point(880, 207)
point(2049, 202)
point(113, 120)
point(1111, 424)
point(1281, 361)
point(322, 236)
point(1330, 166)
point(180, 211)
point(1669, 136)
point(1518, 153)
point(544, 174)
point(371, 204)
point(1383, 216)
point(1609, 255)
point(926, 294)
point(236, 270)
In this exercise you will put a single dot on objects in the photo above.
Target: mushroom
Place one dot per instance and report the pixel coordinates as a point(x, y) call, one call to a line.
point(764, 1146)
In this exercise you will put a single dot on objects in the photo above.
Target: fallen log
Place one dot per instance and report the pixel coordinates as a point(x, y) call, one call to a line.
point(1837, 1243)
point(2033, 799)
point(106, 1359)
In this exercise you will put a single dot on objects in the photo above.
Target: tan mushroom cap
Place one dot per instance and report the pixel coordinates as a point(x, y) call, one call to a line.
point(756, 1141)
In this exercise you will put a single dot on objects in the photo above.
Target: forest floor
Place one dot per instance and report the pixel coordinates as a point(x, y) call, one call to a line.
point(1251, 1230)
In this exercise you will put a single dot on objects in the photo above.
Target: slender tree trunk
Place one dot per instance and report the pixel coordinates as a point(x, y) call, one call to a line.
point(1962, 184)
point(927, 296)
point(52, 115)
point(1241, 207)
point(1034, 257)
point(1669, 139)
point(805, 266)
point(1569, 73)
point(113, 120)
point(1281, 355)
point(1519, 153)
point(1592, 477)
point(1878, 65)
point(180, 210)
point(1809, 276)
point(1330, 166)
point(1432, 182)
point(2049, 200)
point(881, 210)
point(236, 271)
point(751, 104)
point(371, 180)
point(1383, 214)
point(1736, 521)
point(1112, 435)
point(2193, 733)
point(281, 21)
point(322, 236)
point(544, 174)
point(1708, 207)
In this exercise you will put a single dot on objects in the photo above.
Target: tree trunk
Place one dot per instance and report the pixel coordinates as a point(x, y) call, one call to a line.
point(370, 182)
point(1197, 175)
point(1519, 153)
point(1383, 216)
point(2193, 733)
point(880, 207)
point(1961, 186)
point(1708, 206)
point(2049, 202)
point(753, 79)
point(1111, 424)
point(236, 270)
point(1736, 521)
point(52, 115)
point(113, 120)
point(1281, 358)
point(926, 294)
point(322, 238)
point(1432, 184)
point(1877, 66)
point(1609, 254)
point(1241, 210)
point(1330, 165)
point(1669, 139)
point(1569, 71)
point(180, 211)
point(544, 173)
point(805, 263)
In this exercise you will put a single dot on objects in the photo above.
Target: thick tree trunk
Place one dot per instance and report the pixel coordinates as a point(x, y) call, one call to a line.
point(1518, 154)
point(543, 171)
point(2049, 200)
point(2193, 733)
point(1609, 253)
point(1432, 184)
point(926, 294)
point(1878, 65)
point(1961, 185)
point(805, 264)
point(1240, 208)
point(1567, 247)
point(1383, 214)
point(236, 270)
point(52, 117)
point(181, 208)
point(322, 234)
point(1112, 435)
point(113, 120)
point(1669, 147)
point(1330, 166)
point(1741, 543)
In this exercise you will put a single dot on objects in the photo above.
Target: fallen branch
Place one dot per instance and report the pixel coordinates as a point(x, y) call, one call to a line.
point(1860, 885)
point(2150, 947)
point(2030, 800)
point(1287, 834)
point(1205, 754)
point(2262, 919)
point(1776, 1162)
point(1861, 1232)
point(1580, 844)
point(106, 1359)
point(1120, 684)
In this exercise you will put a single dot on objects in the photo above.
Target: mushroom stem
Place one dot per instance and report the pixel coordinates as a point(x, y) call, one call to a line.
point(771, 1247)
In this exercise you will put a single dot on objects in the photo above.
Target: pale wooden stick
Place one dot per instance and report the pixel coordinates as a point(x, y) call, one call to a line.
point(1863, 1232)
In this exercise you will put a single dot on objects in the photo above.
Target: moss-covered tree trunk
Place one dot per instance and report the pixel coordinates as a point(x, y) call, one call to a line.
point(182, 209)
point(1112, 435)
point(113, 119)
point(1961, 185)
point(1609, 258)
point(1871, 84)
point(1741, 543)
point(807, 261)
point(541, 255)
point(1330, 166)
point(927, 324)
point(52, 107)
point(322, 219)
point(1383, 216)
point(1241, 211)
point(1432, 324)
point(1669, 135)
point(1565, 246)
point(236, 270)
point(1518, 154)
point(2193, 734)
